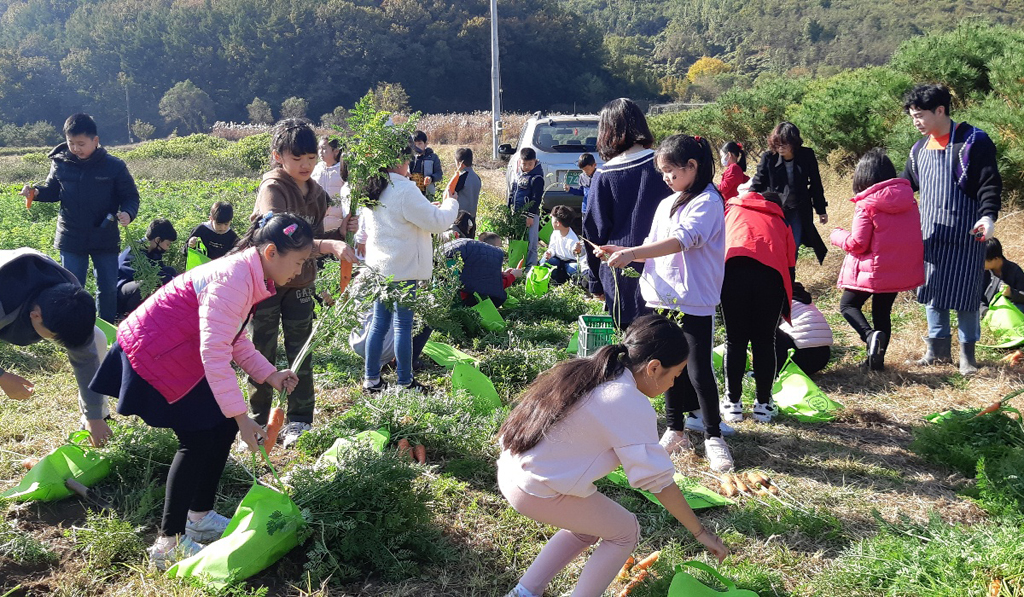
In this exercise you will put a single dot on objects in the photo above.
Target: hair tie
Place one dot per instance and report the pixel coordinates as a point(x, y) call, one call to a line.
point(740, 145)
point(698, 139)
point(290, 229)
point(266, 218)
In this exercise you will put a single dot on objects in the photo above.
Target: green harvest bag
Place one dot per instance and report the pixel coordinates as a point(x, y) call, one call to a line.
point(379, 439)
point(45, 481)
point(545, 231)
point(109, 330)
point(574, 343)
point(196, 257)
point(718, 357)
point(511, 302)
point(517, 251)
point(445, 355)
point(247, 545)
point(685, 585)
point(698, 496)
point(485, 397)
point(489, 316)
point(538, 279)
point(796, 395)
point(1006, 323)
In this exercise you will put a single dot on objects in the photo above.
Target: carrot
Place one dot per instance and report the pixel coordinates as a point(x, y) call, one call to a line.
point(346, 275)
point(624, 573)
point(633, 584)
point(765, 479)
point(995, 587)
point(274, 425)
point(420, 452)
point(753, 479)
point(521, 262)
point(405, 448)
point(32, 196)
point(28, 463)
point(991, 408)
point(647, 562)
point(773, 489)
point(454, 182)
point(740, 485)
point(1013, 358)
point(728, 487)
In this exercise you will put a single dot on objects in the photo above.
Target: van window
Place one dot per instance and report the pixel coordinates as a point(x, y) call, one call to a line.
point(566, 136)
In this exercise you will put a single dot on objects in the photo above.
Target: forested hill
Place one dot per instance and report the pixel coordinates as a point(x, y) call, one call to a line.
point(109, 56)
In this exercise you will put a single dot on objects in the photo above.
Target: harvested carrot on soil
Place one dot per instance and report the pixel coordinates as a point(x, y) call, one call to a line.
point(420, 452)
point(633, 584)
point(740, 485)
point(647, 562)
point(991, 408)
point(405, 448)
point(28, 463)
point(624, 573)
point(728, 487)
point(274, 425)
point(1013, 358)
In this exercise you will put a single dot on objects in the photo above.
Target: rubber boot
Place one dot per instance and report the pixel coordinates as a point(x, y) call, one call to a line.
point(968, 366)
point(938, 352)
point(877, 343)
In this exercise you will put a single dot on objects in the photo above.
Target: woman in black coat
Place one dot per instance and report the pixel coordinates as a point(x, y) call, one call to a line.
point(791, 170)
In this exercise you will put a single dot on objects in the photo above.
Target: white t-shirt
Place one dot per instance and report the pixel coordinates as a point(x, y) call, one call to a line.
point(562, 246)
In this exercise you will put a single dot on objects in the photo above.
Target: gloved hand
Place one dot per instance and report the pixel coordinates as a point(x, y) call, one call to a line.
point(984, 229)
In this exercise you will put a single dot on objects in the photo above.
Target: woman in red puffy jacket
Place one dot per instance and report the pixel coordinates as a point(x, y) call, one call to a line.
point(884, 251)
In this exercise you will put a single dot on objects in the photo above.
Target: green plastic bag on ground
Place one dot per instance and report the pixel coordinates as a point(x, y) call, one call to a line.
point(485, 397)
point(1005, 322)
point(796, 395)
point(45, 481)
point(574, 343)
point(445, 355)
point(379, 439)
point(264, 528)
point(685, 585)
point(511, 302)
point(698, 496)
point(489, 316)
point(109, 330)
point(517, 251)
point(196, 257)
point(545, 231)
point(538, 280)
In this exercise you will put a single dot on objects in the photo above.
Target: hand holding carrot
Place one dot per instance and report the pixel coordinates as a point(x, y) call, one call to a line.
point(284, 380)
point(251, 432)
point(29, 193)
point(713, 544)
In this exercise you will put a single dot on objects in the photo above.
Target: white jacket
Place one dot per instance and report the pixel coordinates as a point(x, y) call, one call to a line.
point(809, 328)
point(398, 230)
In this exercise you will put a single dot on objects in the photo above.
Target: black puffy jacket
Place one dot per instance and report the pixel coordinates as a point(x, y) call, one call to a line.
point(88, 190)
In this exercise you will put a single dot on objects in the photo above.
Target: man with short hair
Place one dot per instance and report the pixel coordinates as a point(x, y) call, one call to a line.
point(954, 168)
point(425, 163)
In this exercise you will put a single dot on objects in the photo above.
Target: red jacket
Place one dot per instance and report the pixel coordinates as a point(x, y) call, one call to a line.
point(732, 178)
point(884, 251)
point(756, 228)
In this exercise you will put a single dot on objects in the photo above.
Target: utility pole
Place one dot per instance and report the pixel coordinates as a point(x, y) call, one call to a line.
point(496, 124)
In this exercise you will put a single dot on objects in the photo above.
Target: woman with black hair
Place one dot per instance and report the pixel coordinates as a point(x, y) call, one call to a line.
point(791, 170)
point(734, 160)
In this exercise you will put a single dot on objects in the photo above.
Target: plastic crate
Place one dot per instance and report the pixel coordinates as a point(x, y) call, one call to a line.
point(595, 331)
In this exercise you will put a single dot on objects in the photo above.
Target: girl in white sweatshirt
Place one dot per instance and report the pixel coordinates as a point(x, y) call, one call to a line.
point(575, 424)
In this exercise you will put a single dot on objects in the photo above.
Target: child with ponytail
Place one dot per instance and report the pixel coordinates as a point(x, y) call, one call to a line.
point(171, 366)
point(734, 160)
point(575, 424)
point(684, 259)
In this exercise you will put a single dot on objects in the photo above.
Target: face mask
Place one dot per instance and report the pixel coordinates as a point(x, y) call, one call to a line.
point(417, 149)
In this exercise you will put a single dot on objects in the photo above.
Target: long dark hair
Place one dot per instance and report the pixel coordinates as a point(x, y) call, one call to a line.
point(736, 149)
point(555, 392)
point(277, 229)
point(622, 126)
point(376, 184)
point(678, 150)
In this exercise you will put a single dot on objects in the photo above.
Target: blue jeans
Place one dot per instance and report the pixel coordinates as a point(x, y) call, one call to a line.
point(968, 324)
point(796, 225)
point(105, 269)
point(533, 238)
point(563, 269)
point(382, 321)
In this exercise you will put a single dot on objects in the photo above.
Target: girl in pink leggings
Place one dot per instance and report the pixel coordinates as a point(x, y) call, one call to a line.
point(575, 424)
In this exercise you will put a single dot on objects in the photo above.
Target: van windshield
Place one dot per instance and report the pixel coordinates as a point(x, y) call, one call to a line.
point(569, 136)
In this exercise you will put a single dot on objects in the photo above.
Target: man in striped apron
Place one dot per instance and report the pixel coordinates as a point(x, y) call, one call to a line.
point(954, 169)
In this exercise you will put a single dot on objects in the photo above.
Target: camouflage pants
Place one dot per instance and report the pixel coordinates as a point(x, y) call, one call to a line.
point(291, 309)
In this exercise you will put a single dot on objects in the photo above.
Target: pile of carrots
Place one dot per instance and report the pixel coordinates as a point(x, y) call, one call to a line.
point(1013, 358)
point(754, 482)
point(418, 452)
point(639, 572)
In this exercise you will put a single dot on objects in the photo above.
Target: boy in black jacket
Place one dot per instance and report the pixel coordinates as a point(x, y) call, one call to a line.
point(40, 299)
point(96, 193)
point(1002, 275)
point(216, 234)
point(525, 197)
point(159, 235)
point(426, 163)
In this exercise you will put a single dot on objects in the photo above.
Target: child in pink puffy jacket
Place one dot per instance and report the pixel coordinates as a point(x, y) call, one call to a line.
point(884, 251)
point(171, 366)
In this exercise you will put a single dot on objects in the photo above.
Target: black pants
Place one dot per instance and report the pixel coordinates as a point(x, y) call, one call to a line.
point(195, 473)
point(810, 360)
point(290, 310)
point(696, 388)
point(753, 297)
point(881, 310)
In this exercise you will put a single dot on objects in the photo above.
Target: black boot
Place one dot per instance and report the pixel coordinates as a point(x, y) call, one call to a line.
point(938, 352)
point(877, 342)
point(968, 366)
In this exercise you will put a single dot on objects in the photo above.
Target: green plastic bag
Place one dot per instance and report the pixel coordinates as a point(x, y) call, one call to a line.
point(698, 496)
point(517, 252)
point(796, 395)
point(489, 316)
point(538, 279)
point(109, 330)
point(196, 257)
point(574, 343)
point(546, 230)
point(718, 357)
point(45, 481)
point(485, 397)
point(685, 585)
point(511, 302)
point(378, 439)
point(445, 355)
point(1005, 322)
point(264, 528)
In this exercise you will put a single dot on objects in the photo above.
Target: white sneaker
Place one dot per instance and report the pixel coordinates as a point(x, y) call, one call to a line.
point(520, 591)
point(718, 455)
point(292, 431)
point(695, 423)
point(764, 412)
point(732, 412)
point(163, 557)
point(208, 529)
point(675, 441)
